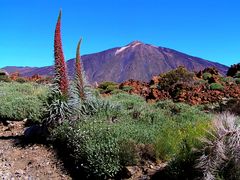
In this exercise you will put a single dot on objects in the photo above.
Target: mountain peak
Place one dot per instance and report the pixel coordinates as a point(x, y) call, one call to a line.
point(131, 45)
point(135, 42)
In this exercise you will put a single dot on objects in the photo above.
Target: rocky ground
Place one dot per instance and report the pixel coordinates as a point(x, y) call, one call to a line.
point(26, 161)
point(191, 94)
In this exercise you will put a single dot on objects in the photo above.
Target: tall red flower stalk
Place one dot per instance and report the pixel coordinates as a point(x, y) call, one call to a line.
point(60, 65)
point(79, 73)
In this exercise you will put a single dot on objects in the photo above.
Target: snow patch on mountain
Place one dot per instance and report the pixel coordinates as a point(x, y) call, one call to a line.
point(121, 49)
point(136, 44)
point(132, 45)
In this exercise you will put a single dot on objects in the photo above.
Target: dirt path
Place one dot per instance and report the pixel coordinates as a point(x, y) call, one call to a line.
point(26, 162)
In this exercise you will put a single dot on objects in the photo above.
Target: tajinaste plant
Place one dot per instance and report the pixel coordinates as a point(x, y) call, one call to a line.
point(58, 102)
point(79, 74)
point(61, 78)
point(83, 102)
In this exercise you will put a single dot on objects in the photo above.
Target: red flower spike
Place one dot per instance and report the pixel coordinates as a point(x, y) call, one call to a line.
point(78, 72)
point(60, 65)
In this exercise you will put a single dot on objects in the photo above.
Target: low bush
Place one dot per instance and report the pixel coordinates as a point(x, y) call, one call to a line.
point(128, 153)
point(117, 91)
point(233, 70)
point(4, 78)
point(237, 75)
point(188, 124)
point(21, 80)
point(106, 84)
point(126, 88)
point(179, 75)
point(237, 80)
point(92, 146)
point(227, 79)
point(200, 81)
point(216, 86)
point(20, 101)
point(206, 75)
point(107, 87)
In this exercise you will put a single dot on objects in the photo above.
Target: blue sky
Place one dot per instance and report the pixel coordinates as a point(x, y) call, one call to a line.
point(208, 29)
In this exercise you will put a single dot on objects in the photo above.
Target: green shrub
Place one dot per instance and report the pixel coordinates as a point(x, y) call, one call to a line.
point(181, 167)
point(20, 101)
point(177, 145)
point(206, 75)
point(128, 153)
point(93, 148)
point(107, 87)
point(111, 87)
point(117, 91)
point(233, 70)
point(21, 80)
point(4, 78)
point(216, 86)
point(126, 88)
point(176, 133)
point(237, 80)
point(237, 75)
point(227, 79)
point(200, 81)
point(179, 75)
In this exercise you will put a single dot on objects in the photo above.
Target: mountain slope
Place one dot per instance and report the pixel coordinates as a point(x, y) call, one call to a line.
point(137, 61)
point(21, 70)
